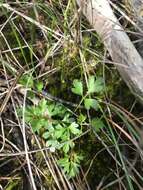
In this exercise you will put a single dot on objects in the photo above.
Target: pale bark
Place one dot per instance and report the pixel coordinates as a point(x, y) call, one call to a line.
point(130, 64)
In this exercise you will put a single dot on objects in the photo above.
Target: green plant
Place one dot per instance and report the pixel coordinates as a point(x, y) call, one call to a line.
point(95, 86)
point(57, 125)
point(71, 164)
point(28, 81)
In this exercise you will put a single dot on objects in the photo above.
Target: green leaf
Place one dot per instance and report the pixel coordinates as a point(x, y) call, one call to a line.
point(46, 135)
point(63, 161)
point(42, 107)
point(91, 84)
point(74, 169)
point(66, 135)
point(27, 80)
point(91, 103)
point(74, 128)
point(30, 94)
point(67, 168)
point(52, 144)
point(49, 126)
point(39, 86)
point(78, 158)
point(66, 147)
point(70, 164)
point(59, 127)
point(72, 173)
point(77, 87)
point(67, 118)
point(81, 118)
point(28, 114)
point(59, 131)
point(56, 109)
point(99, 85)
point(95, 85)
point(37, 124)
point(97, 124)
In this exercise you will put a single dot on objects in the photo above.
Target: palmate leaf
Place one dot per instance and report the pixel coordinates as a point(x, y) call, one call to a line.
point(81, 118)
point(99, 85)
point(42, 107)
point(74, 169)
point(74, 128)
point(91, 103)
point(59, 110)
point(38, 124)
point(78, 158)
point(65, 163)
point(70, 166)
point(53, 143)
point(77, 87)
point(59, 131)
point(46, 135)
point(97, 124)
point(27, 80)
point(91, 84)
point(96, 86)
point(39, 86)
point(67, 146)
point(68, 118)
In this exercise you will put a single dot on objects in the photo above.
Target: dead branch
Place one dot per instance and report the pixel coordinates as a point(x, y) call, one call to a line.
point(100, 15)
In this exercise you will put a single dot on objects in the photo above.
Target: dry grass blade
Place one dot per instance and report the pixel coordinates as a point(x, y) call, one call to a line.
point(10, 92)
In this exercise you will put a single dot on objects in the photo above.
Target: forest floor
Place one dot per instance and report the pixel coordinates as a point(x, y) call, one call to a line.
point(67, 119)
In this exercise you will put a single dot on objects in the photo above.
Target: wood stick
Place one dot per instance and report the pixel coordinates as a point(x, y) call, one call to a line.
point(101, 17)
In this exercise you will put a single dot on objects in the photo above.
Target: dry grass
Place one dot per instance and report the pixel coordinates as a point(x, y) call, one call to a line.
point(50, 41)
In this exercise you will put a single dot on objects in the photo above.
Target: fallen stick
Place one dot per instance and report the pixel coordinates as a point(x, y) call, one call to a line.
point(101, 17)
